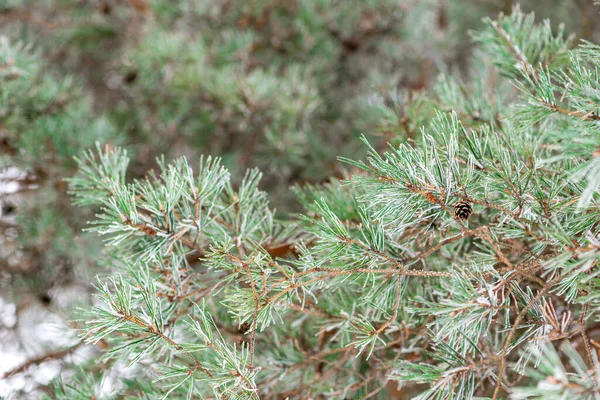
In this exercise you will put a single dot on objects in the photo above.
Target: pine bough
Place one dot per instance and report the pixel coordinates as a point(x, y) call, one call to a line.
point(378, 284)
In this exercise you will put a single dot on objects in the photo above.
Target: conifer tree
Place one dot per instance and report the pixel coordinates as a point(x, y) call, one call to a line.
point(458, 262)
point(462, 262)
point(45, 120)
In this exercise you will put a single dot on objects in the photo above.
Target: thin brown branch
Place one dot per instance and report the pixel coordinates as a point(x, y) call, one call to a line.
point(55, 355)
point(484, 233)
point(155, 331)
point(395, 313)
point(513, 331)
point(255, 316)
point(586, 341)
point(339, 272)
point(534, 75)
point(521, 58)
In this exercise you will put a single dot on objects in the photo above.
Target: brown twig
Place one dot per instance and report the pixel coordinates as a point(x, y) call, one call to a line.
point(155, 331)
point(55, 355)
point(339, 272)
point(515, 326)
point(395, 313)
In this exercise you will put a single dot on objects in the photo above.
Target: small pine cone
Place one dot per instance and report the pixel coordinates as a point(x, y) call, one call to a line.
point(462, 210)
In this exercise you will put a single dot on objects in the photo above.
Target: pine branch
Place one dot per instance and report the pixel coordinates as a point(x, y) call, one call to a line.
point(154, 331)
point(55, 355)
point(513, 331)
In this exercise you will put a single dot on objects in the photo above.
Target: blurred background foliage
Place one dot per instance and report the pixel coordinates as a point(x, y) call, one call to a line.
point(284, 85)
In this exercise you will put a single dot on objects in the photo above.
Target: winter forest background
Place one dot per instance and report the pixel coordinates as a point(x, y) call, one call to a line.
point(287, 87)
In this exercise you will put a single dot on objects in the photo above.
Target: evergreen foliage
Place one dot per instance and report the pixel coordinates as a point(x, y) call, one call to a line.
point(285, 81)
point(381, 281)
point(459, 262)
point(45, 121)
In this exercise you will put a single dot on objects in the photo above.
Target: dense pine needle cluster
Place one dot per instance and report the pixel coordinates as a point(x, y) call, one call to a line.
point(385, 280)
point(460, 262)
